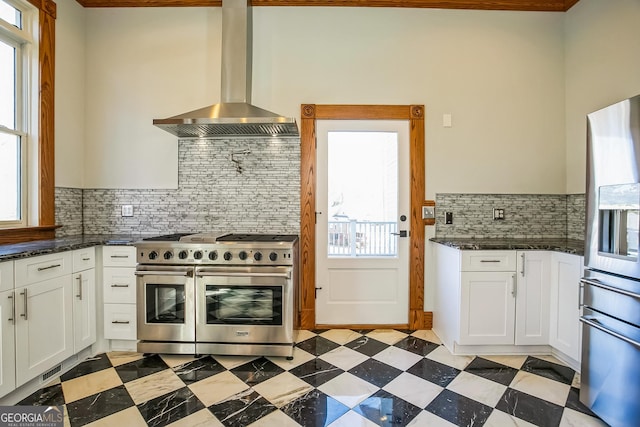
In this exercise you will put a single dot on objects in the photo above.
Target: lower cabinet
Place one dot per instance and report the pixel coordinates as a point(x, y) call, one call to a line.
point(487, 308)
point(119, 292)
point(504, 306)
point(565, 330)
point(7, 352)
point(84, 309)
point(508, 298)
point(44, 326)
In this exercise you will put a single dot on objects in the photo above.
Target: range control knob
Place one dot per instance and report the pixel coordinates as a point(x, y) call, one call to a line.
point(183, 255)
point(273, 256)
point(153, 255)
point(168, 255)
point(197, 254)
point(257, 256)
point(227, 256)
point(242, 255)
point(213, 255)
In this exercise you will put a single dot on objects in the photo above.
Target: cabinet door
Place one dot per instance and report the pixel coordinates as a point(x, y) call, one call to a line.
point(565, 329)
point(44, 327)
point(532, 298)
point(7, 352)
point(487, 308)
point(84, 309)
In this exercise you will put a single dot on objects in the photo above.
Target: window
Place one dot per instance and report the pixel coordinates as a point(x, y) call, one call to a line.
point(18, 102)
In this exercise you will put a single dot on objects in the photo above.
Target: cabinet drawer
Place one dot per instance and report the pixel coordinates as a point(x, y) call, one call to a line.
point(119, 256)
point(119, 285)
point(120, 321)
point(489, 260)
point(84, 259)
point(6, 275)
point(39, 268)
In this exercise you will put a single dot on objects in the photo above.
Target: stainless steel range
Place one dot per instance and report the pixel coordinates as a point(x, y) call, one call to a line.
point(208, 294)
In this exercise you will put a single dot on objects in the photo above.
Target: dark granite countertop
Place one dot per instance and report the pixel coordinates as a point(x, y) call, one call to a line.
point(43, 247)
point(569, 246)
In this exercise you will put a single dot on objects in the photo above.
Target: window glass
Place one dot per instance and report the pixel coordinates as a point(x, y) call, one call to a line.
point(7, 85)
point(10, 14)
point(10, 196)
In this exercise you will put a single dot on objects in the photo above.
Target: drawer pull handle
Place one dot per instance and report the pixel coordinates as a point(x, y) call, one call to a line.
point(489, 260)
point(49, 267)
point(86, 259)
point(119, 256)
point(116, 285)
point(120, 322)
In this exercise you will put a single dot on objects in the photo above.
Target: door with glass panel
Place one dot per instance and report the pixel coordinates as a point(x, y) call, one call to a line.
point(362, 226)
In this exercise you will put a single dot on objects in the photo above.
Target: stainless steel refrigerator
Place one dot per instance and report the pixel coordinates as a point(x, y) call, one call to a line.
point(610, 371)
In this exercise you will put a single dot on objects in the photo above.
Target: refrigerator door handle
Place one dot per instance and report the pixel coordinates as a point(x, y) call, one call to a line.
point(594, 323)
point(599, 284)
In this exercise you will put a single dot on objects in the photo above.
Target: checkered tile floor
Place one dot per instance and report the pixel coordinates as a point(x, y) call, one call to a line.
point(338, 378)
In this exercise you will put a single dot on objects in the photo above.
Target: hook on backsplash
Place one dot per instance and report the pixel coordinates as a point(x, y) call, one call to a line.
point(238, 166)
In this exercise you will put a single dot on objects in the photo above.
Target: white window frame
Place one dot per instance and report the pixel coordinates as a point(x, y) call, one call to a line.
point(25, 40)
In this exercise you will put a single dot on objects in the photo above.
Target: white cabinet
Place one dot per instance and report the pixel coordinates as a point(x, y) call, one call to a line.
point(44, 314)
point(119, 292)
point(532, 298)
point(492, 298)
point(84, 298)
point(487, 303)
point(7, 316)
point(565, 328)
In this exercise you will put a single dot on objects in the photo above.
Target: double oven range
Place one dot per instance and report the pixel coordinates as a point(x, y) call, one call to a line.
point(206, 294)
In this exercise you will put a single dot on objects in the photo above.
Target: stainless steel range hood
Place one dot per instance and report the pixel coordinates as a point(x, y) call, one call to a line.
point(234, 116)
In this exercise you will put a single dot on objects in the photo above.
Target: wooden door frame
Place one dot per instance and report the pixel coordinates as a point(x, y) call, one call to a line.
point(310, 113)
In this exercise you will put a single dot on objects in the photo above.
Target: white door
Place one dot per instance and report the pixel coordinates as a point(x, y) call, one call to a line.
point(84, 309)
point(7, 352)
point(362, 226)
point(532, 298)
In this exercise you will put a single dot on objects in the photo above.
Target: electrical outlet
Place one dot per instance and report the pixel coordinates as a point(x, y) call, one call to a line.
point(448, 217)
point(498, 214)
point(127, 210)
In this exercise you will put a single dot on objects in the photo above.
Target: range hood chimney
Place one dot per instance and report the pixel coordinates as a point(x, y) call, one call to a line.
point(234, 116)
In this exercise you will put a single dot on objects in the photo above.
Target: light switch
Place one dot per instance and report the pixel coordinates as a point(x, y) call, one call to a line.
point(428, 212)
point(446, 120)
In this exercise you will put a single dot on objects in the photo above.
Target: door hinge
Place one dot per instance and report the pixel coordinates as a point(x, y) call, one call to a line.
point(316, 292)
point(317, 213)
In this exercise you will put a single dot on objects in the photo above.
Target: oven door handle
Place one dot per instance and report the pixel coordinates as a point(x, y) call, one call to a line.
point(236, 274)
point(164, 273)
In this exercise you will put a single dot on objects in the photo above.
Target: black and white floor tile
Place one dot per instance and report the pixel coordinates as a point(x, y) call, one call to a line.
point(338, 378)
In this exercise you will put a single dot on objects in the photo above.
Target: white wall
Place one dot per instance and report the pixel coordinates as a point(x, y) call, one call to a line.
point(500, 74)
point(144, 64)
point(602, 45)
point(69, 95)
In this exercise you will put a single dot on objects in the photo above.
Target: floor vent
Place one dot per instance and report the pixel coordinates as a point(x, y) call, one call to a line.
point(51, 373)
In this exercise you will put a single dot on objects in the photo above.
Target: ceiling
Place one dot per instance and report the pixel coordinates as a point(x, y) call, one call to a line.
point(522, 5)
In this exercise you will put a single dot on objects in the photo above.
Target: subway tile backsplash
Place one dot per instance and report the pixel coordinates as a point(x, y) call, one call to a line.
point(525, 216)
point(212, 196)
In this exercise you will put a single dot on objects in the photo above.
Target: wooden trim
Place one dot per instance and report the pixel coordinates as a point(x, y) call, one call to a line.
point(428, 319)
point(28, 234)
point(46, 143)
point(520, 5)
point(310, 113)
